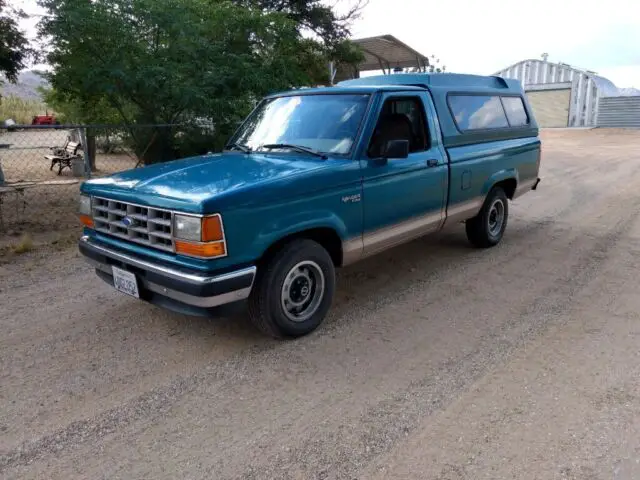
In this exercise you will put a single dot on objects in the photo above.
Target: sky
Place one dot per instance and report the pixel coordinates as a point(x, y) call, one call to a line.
point(485, 36)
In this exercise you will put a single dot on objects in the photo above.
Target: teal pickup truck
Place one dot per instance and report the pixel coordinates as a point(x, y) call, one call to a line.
point(312, 180)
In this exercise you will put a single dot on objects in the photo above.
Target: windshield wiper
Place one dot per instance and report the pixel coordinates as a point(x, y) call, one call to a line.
point(238, 146)
point(298, 148)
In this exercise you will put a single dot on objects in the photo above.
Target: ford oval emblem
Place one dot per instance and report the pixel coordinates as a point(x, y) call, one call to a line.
point(127, 221)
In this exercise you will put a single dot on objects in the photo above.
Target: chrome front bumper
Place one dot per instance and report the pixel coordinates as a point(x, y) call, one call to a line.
point(159, 283)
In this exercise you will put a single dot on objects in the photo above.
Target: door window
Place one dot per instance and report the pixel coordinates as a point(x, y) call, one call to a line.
point(400, 119)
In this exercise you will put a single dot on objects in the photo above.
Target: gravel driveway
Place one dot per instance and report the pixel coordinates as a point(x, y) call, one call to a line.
point(438, 361)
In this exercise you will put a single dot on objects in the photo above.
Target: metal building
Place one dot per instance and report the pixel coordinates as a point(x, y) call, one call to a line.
point(619, 112)
point(561, 95)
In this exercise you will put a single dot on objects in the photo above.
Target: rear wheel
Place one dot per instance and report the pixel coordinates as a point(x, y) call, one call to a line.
point(487, 228)
point(294, 290)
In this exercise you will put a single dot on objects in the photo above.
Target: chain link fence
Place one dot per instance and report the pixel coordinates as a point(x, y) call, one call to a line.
point(42, 167)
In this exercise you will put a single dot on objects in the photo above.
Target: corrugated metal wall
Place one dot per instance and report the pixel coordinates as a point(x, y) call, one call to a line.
point(619, 112)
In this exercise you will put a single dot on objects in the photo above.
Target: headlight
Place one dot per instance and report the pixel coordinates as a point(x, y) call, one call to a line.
point(187, 227)
point(85, 205)
point(84, 211)
point(197, 236)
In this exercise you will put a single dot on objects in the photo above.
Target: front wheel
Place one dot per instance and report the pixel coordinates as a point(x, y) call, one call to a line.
point(487, 228)
point(294, 290)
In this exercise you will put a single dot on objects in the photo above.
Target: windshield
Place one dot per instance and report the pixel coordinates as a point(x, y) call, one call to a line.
point(325, 123)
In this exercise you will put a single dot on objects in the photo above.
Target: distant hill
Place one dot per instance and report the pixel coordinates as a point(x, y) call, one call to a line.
point(27, 86)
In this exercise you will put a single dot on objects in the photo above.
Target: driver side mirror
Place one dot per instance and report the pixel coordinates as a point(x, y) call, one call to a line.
point(396, 149)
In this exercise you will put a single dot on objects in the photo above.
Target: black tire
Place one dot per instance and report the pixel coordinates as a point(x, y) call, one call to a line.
point(482, 230)
point(267, 303)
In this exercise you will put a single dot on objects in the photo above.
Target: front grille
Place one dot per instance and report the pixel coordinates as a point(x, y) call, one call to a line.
point(146, 225)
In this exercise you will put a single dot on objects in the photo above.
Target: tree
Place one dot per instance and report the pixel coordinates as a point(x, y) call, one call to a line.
point(76, 110)
point(435, 66)
point(313, 16)
point(324, 24)
point(174, 61)
point(14, 46)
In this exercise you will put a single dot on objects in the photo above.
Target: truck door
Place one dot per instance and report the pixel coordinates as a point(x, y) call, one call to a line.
point(404, 198)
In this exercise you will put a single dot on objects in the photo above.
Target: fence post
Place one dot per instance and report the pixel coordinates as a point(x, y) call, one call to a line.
point(85, 151)
point(1, 172)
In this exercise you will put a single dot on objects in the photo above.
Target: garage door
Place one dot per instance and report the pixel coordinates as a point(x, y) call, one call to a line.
point(550, 107)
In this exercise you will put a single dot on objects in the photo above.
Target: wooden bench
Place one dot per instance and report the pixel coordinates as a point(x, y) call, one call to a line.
point(64, 157)
point(60, 150)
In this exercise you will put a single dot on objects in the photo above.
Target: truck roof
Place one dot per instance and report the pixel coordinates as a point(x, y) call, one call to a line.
point(416, 81)
point(450, 81)
point(353, 89)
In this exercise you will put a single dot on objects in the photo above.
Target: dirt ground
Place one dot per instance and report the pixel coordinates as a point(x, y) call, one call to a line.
point(438, 361)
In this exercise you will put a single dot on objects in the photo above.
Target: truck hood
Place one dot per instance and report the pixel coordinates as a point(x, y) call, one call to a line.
point(191, 182)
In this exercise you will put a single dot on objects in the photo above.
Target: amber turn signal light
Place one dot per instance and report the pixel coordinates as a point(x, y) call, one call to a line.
point(86, 220)
point(212, 229)
point(204, 250)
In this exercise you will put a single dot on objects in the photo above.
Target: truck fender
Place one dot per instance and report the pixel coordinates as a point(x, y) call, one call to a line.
point(510, 174)
point(297, 223)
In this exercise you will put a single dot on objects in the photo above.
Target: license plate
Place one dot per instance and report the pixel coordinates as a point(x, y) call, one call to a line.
point(125, 282)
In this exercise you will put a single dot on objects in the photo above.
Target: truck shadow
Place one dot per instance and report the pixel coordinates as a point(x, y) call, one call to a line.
point(387, 274)
point(357, 285)
point(392, 276)
point(360, 287)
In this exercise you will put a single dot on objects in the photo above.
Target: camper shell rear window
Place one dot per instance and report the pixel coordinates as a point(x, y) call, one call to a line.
point(487, 112)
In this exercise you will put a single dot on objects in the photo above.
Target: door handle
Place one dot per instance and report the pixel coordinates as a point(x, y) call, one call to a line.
point(432, 162)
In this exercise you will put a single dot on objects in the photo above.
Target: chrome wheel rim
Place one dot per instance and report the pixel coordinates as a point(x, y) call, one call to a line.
point(496, 217)
point(302, 291)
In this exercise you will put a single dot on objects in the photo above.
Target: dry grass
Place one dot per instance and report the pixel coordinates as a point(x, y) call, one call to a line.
point(20, 110)
point(24, 245)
